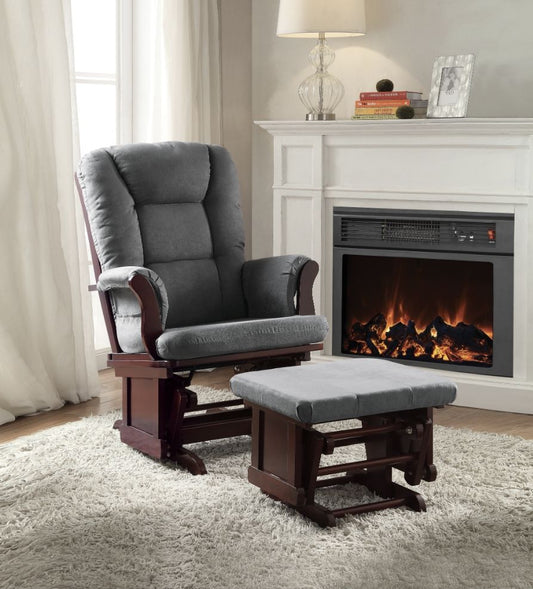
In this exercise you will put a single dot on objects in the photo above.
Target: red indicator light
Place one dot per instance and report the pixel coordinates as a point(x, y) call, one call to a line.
point(491, 234)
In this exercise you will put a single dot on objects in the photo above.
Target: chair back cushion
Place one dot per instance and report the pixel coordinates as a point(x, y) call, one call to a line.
point(174, 208)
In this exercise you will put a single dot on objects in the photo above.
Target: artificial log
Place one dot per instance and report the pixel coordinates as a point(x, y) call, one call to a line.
point(438, 341)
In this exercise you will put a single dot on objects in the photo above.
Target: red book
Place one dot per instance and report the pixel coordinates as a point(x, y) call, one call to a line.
point(394, 95)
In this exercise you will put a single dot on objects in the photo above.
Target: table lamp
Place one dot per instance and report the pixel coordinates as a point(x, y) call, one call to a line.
point(321, 92)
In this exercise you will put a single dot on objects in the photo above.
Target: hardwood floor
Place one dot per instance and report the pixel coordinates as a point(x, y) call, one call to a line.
point(463, 417)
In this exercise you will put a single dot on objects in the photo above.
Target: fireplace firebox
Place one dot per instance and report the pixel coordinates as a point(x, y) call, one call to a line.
point(424, 287)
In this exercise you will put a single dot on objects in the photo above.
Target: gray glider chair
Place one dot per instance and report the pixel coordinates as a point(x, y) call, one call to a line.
point(167, 242)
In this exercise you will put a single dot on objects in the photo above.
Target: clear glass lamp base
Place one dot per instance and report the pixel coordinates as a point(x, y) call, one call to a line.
point(321, 92)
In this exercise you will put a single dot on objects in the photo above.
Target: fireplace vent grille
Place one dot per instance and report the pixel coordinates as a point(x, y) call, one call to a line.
point(411, 230)
point(390, 230)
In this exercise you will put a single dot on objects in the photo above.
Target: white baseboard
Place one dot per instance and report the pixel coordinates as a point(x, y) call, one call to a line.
point(496, 394)
point(101, 358)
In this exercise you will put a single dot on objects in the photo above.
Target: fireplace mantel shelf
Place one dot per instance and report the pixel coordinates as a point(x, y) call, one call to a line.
point(466, 126)
point(470, 165)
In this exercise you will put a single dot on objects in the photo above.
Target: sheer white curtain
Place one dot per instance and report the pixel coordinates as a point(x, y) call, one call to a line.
point(46, 350)
point(185, 80)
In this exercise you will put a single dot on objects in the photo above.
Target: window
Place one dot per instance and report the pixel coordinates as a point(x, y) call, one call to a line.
point(102, 63)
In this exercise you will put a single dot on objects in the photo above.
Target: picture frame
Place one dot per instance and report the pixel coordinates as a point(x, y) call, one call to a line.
point(450, 86)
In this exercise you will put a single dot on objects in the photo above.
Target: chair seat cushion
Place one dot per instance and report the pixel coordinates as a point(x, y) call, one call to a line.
point(247, 335)
point(343, 389)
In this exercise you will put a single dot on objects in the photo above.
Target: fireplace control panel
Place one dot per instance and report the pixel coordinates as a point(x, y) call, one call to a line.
point(432, 231)
point(474, 233)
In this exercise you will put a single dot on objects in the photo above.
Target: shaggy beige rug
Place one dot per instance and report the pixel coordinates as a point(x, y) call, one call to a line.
point(80, 510)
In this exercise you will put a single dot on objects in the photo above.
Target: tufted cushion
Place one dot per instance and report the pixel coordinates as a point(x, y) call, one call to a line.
point(164, 173)
point(126, 310)
point(183, 232)
point(241, 336)
point(174, 208)
point(111, 211)
point(270, 285)
point(343, 389)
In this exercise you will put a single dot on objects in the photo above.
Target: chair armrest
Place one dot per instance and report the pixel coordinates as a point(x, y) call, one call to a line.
point(271, 284)
point(151, 295)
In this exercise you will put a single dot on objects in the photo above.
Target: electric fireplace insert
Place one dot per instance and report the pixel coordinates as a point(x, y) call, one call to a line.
point(424, 287)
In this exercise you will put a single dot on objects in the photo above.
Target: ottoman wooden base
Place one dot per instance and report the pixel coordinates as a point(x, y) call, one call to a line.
point(286, 458)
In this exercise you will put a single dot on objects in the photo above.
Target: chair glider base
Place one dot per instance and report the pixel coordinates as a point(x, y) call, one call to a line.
point(160, 414)
point(286, 458)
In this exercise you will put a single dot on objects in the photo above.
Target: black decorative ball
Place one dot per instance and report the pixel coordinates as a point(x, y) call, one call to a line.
point(385, 86)
point(405, 112)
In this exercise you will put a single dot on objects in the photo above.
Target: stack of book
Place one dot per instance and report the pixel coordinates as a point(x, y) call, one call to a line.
point(383, 105)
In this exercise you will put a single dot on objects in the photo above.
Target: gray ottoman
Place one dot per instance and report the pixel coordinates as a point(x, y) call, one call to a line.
point(394, 403)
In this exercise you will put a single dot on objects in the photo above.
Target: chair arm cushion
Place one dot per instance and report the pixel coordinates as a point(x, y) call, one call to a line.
point(116, 278)
point(270, 285)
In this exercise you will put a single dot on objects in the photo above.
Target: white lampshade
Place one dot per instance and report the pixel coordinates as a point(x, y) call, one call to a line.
point(335, 18)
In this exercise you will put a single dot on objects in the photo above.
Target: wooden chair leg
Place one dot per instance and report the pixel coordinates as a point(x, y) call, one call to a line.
point(189, 460)
point(155, 405)
point(145, 400)
point(378, 479)
point(183, 400)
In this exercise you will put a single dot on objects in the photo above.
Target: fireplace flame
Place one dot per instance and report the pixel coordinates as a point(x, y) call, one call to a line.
point(445, 338)
point(397, 313)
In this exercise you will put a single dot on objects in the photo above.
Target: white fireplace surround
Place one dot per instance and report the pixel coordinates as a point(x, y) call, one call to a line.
point(472, 165)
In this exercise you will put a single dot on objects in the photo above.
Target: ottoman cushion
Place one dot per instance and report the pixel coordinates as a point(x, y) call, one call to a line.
point(343, 389)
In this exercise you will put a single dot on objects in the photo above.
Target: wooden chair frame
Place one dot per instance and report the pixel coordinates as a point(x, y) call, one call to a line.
point(156, 401)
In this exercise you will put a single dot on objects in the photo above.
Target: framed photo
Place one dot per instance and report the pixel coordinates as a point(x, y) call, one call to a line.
point(450, 86)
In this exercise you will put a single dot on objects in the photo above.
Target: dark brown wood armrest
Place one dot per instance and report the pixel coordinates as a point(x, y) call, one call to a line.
point(151, 327)
point(304, 293)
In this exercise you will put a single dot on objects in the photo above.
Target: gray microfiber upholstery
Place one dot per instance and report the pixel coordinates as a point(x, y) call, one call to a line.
point(241, 336)
point(174, 209)
point(125, 306)
point(270, 285)
point(343, 389)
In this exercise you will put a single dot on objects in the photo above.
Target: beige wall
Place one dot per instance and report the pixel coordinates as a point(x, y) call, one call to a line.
point(403, 38)
point(236, 63)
